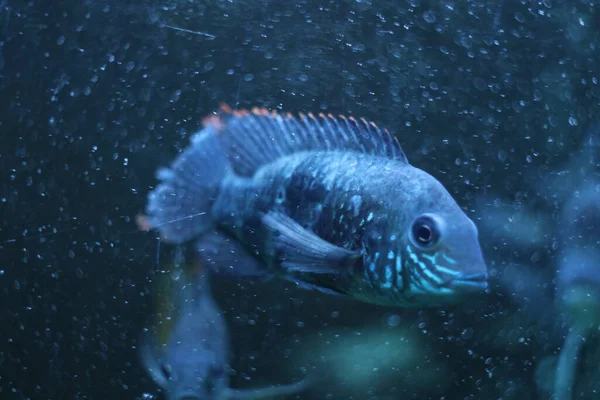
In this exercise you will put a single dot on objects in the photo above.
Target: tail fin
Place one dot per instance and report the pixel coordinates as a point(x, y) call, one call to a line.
point(180, 207)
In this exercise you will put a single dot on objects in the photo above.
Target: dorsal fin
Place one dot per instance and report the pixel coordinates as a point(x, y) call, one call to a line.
point(253, 138)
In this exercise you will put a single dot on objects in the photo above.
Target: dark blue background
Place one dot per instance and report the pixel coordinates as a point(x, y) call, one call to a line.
point(94, 96)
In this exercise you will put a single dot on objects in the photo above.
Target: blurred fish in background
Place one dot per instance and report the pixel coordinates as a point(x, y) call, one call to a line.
point(578, 280)
point(188, 355)
point(388, 360)
point(572, 310)
point(577, 187)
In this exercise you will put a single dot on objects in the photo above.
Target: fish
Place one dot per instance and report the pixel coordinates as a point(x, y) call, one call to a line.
point(577, 291)
point(570, 314)
point(188, 357)
point(330, 203)
point(577, 187)
point(582, 164)
point(587, 382)
point(578, 279)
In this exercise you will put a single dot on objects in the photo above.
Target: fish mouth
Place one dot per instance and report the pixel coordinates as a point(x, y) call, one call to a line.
point(476, 282)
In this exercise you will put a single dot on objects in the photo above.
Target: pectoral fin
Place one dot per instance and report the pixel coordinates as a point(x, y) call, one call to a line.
point(302, 251)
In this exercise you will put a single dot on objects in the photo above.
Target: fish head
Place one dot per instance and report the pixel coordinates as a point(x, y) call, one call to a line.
point(190, 375)
point(442, 258)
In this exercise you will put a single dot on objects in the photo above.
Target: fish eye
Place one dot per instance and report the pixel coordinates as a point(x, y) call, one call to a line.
point(425, 231)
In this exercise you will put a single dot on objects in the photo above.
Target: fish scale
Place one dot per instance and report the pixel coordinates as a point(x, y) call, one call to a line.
point(330, 203)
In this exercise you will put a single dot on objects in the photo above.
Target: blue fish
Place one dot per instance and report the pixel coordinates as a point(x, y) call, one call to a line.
point(578, 279)
point(330, 203)
point(188, 358)
point(576, 186)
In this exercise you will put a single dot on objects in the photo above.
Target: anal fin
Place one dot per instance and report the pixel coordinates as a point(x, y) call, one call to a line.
point(225, 255)
point(313, 286)
point(303, 251)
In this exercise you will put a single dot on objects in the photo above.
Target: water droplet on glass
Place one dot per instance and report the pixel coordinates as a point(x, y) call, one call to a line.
point(467, 334)
point(479, 84)
point(176, 96)
point(429, 16)
point(520, 17)
point(176, 274)
point(209, 66)
point(393, 320)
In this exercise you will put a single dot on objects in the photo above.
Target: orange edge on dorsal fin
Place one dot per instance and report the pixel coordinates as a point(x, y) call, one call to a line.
point(225, 108)
point(262, 111)
point(213, 120)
